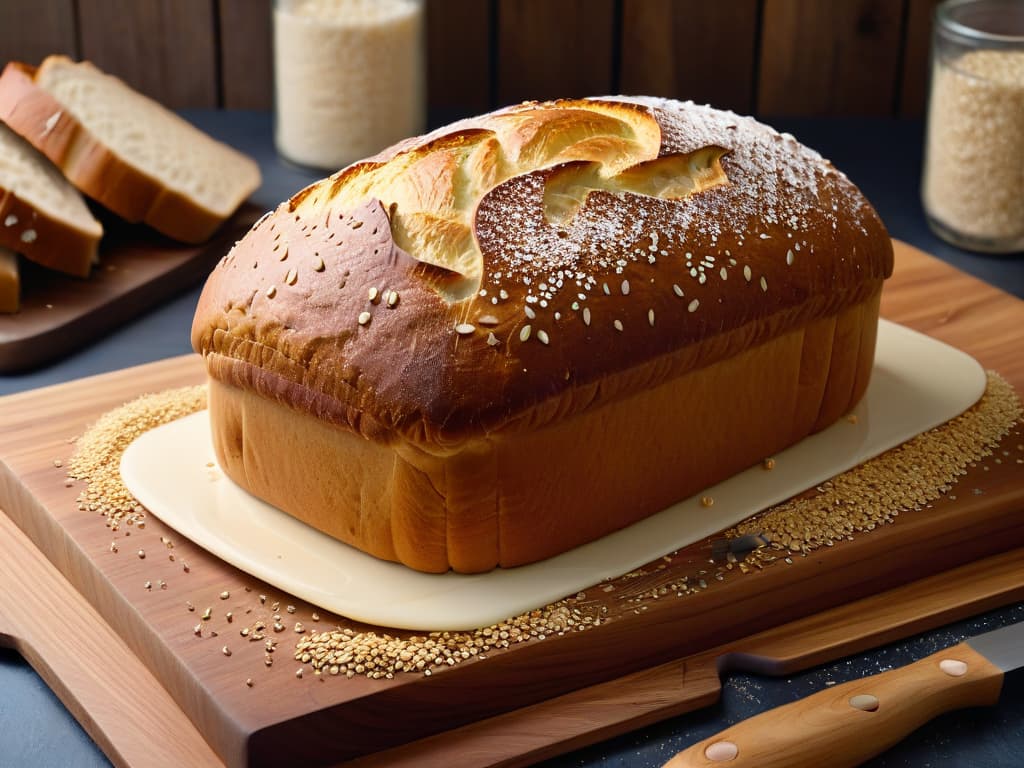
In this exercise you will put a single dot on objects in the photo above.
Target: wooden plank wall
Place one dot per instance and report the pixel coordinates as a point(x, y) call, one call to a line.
point(767, 57)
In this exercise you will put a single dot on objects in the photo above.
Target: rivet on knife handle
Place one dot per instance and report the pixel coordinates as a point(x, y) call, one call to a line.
point(847, 724)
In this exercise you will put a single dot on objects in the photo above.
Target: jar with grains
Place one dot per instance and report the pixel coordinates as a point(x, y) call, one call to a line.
point(349, 78)
point(973, 185)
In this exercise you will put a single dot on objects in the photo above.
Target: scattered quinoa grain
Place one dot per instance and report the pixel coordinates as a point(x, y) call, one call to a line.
point(97, 458)
point(904, 479)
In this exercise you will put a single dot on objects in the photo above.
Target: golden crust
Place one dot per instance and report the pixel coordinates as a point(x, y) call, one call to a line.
point(47, 239)
point(502, 321)
point(10, 282)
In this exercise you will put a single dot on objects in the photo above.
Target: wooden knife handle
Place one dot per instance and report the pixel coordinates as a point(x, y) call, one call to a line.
point(847, 724)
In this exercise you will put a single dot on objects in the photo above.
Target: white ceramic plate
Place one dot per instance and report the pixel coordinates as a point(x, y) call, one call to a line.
point(918, 383)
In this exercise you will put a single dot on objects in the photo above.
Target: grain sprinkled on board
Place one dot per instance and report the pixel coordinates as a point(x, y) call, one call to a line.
point(901, 480)
point(347, 652)
point(97, 458)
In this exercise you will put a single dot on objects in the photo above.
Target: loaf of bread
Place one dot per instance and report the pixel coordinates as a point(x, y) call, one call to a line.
point(124, 150)
point(491, 344)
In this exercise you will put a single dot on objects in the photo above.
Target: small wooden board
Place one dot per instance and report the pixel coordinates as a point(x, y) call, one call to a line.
point(538, 698)
point(138, 268)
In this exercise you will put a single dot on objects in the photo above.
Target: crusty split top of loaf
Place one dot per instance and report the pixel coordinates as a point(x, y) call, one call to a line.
point(514, 269)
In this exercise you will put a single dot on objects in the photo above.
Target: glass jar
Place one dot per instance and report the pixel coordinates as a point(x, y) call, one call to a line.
point(973, 185)
point(349, 78)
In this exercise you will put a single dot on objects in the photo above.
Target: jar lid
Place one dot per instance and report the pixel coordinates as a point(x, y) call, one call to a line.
point(984, 22)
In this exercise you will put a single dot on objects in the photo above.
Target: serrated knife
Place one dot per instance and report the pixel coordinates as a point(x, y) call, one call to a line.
point(849, 723)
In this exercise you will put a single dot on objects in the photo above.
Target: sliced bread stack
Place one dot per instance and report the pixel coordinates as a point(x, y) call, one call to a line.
point(120, 148)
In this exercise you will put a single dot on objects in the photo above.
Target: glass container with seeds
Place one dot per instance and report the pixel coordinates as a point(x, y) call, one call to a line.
point(973, 185)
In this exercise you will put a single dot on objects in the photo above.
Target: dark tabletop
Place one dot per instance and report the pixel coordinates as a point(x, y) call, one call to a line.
point(884, 158)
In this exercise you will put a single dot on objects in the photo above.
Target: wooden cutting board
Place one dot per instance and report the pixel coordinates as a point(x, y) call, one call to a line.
point(138, 267)
point(520, 704)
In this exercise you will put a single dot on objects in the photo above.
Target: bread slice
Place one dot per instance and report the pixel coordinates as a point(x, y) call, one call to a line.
point(123, 149)
point(10, 285)
point(42, 216)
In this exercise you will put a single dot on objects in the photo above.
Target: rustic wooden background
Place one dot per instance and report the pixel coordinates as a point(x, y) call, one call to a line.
point(767, 57)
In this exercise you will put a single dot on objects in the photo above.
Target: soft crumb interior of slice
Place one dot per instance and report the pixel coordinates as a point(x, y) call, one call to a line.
point(27, 173)
point(150, 137)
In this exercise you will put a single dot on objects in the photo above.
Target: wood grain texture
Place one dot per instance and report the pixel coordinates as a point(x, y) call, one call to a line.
point(610, 709)
point(554, 50)
point(521, 737)
point(104, 685)
point(164, 48)
point(916, 57)
point(282, 719)
point(826, 728)
point(61, 314)
point(459, 56)
point(33, 29)
point(690, 49)
point(829, 58)
point(846, 57)
point(246, 54)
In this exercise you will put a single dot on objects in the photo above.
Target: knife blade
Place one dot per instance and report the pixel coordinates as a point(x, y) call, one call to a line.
point(846, 724)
